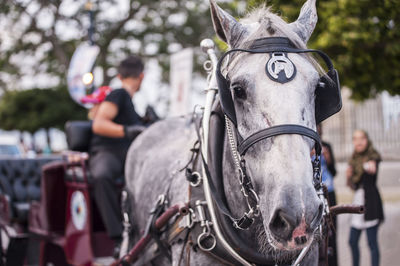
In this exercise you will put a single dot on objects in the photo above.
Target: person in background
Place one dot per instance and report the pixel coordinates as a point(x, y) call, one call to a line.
point(328, 174)
point(114, 127)
point(362, 173)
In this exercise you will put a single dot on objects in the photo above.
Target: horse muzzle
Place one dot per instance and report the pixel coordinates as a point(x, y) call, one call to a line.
point(291, 231)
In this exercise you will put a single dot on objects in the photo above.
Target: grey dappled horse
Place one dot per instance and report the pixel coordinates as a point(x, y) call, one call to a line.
point(280, 168)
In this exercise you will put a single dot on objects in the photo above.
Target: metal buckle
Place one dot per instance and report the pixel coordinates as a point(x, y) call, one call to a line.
point(206, 228)
point(198, 179)
point(244, 223)
point(206, 235)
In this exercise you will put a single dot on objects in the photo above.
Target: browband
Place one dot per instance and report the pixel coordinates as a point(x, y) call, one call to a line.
point(277, 45)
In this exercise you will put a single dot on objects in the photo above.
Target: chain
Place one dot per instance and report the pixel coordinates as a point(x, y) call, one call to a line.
point(245, 189)
point(232, 143)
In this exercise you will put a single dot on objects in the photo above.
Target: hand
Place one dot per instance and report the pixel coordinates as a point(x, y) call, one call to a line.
point(349, 172)
point(350, 184)
point(150, 116)
point(327, 155)
point(370, 167)
point(131, 132)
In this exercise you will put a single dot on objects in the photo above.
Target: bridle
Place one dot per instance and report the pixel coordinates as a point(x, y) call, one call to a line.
point(328, 99)
point(240, 146)
point(327, 102)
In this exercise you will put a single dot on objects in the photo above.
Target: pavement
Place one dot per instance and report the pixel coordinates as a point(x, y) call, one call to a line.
point(389, 231)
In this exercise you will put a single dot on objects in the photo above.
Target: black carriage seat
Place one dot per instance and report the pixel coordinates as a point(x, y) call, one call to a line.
point(78, 135)
point(19, 185)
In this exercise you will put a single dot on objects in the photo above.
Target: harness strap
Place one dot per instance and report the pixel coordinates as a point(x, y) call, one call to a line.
point(243, 222)
point(184, 247)
point(273, 49)
point(280, 130)
point(154, 232)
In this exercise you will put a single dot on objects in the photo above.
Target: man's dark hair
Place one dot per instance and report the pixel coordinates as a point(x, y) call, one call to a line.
point(131, 67)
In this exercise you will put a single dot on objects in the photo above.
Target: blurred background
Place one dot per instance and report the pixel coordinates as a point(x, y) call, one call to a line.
point(39, 37)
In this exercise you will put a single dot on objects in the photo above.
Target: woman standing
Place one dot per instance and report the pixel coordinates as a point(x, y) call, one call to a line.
point(361, 177)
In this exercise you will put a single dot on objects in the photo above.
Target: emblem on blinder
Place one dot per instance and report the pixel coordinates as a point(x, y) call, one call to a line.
point(279, 68)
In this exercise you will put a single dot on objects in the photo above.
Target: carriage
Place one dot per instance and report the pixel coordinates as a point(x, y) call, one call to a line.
point(48, 215)
point(197, 206)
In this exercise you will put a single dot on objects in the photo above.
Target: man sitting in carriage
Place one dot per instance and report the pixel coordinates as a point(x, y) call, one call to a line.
point(115, 125)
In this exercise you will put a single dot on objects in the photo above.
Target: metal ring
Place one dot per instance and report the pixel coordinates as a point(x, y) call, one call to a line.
point(190, 218)
point(244, 193)
point(208, 66)
point(198, 182)
point(197, 106)
point(161, 199)
point(241, 175)
point(255, 195)
point(203, 236)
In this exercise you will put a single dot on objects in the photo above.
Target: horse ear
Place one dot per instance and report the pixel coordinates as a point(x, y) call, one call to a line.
point(227, 28)
point(305, 23)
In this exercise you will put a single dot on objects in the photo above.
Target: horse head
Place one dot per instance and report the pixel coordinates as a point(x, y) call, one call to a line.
point(280, 167)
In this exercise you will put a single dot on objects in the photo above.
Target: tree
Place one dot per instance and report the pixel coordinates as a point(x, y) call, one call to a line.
point(48, 31)
point(31, 110)
point(361, 37)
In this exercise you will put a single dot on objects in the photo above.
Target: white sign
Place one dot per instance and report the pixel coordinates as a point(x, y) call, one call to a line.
point(81, 63)
point(181, 81)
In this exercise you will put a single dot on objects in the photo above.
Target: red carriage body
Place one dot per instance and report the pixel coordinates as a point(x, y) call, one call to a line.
point(47, 213)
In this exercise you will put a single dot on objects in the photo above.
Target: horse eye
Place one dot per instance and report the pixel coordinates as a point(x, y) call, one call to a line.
point(239, 92)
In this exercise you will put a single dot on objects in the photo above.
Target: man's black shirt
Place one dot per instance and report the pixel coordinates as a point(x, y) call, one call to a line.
point(126, 116)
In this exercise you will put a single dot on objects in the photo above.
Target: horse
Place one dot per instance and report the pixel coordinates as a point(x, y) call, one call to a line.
point(280, 168)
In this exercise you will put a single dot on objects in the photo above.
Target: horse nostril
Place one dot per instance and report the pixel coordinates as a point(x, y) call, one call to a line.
point(282, 225)
point(300, 240)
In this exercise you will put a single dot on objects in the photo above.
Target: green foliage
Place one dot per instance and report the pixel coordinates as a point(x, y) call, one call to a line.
point(361, 36)
point(167, 26)
point(31, 110)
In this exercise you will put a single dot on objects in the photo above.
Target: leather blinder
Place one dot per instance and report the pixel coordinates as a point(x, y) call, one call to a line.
point(328, 100)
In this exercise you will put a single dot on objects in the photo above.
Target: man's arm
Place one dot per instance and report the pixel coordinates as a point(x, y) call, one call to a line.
point(103, 124)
